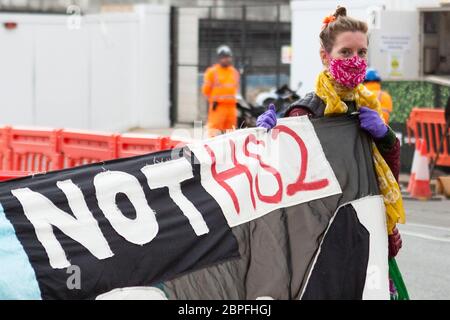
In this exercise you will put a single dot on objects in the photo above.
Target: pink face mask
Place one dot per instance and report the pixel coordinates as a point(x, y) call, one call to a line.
point(348, 72)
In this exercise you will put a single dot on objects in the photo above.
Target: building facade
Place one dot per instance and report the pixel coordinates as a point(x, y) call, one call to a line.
point(93, 6)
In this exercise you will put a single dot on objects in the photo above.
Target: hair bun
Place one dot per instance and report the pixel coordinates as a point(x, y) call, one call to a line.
point(340, 12)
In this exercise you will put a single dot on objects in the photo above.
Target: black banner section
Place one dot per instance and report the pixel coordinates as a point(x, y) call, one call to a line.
point(345, 247)
point(132, 230)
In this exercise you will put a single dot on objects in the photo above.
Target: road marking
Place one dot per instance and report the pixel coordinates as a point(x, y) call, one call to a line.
point(423, 236)
point(427, 226)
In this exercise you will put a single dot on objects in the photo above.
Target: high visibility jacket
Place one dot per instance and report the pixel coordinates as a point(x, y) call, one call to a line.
point(221, 84)
point(384, 98)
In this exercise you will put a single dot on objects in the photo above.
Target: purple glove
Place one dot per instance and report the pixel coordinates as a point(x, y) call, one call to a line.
point(371, 121)
point(268, 119)
point(395, 243)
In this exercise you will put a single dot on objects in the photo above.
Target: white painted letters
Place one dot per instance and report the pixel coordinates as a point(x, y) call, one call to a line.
point(170, 174)
point(144, 227)
point(83, 228)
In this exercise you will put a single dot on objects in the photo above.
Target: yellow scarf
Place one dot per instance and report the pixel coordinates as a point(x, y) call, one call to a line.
point(334, 96)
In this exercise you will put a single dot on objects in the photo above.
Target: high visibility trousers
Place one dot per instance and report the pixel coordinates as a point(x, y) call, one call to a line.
point(223, 118)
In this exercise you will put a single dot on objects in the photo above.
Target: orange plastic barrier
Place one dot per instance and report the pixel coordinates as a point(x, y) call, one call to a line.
point(5, 151)
point(24, 151)
point(83, 147)
point(168, 143)
point(429, 124)
point(34, 150)
point(129, 145)
point(7, 175)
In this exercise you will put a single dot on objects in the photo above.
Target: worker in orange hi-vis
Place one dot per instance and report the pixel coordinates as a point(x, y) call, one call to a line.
point(373, 83)
point(220, 87)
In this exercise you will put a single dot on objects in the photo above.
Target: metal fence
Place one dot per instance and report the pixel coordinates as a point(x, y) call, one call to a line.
point(255, 33)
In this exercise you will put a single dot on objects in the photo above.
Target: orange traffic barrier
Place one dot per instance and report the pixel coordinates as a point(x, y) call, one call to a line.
point(429, 124)
point(5, 151)
point(169, 143)
point(24, 151)
point(8, 175)
point(420, 188)
point(130, 144)
point(34, 150)
point(84, 147)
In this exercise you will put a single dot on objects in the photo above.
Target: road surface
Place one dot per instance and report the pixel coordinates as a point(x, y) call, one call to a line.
point(424, 259)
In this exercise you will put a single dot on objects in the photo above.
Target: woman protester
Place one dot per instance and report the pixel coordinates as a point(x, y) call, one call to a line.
point(339, 90)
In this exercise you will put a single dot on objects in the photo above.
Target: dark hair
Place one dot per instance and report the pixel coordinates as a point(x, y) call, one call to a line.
point(342, 23)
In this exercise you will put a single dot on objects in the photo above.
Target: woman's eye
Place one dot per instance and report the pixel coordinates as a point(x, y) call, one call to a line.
point(345, 52)
point(363, 53)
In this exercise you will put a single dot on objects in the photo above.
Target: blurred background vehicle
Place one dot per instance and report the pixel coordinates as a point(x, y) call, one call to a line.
point(248, 113)
point(281, 97)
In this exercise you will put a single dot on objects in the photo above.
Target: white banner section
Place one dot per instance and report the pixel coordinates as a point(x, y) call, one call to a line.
point(372, 215)
point(252, 172)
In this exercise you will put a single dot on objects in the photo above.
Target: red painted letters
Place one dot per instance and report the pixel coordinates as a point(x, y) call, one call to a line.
point(238, 169)
point(291, 189)
point(276, 198)
point(300, 184)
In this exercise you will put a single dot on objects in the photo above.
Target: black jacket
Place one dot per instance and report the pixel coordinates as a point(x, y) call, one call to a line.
point(315, 105)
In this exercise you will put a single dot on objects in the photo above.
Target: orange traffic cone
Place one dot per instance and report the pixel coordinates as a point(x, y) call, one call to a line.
point(421, 184)
point(412, 177)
